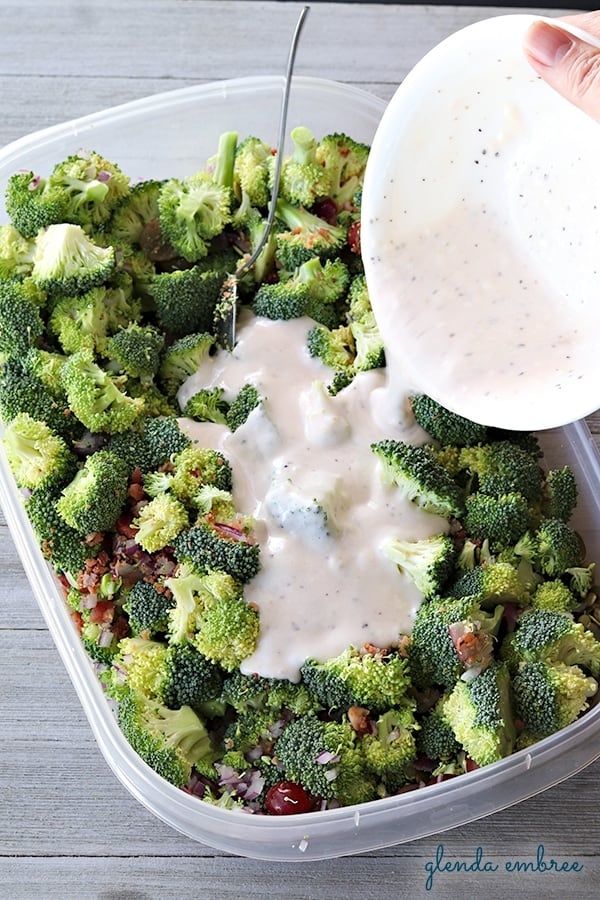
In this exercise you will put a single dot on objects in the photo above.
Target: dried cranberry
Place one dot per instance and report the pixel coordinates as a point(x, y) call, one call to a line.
point(286, 798)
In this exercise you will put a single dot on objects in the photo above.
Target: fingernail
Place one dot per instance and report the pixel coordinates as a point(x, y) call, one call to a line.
point(547, 44)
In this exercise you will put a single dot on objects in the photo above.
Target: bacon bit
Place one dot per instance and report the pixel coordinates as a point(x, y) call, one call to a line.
point(103, 611)
point(353, 238)
point(358, 717)
point(403, 645)
point(136, 476)
point(136, 491)
point(93, 538)
point(233, 532)
point(473, 647)
point(120, 628)
point(77, 620)
point(372, 650)
point(125, 527)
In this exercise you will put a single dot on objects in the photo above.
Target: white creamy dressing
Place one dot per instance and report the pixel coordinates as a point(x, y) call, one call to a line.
point(324, 583)
point(480, 235)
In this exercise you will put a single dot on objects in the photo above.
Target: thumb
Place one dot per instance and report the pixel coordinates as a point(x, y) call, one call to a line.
point(569, 62)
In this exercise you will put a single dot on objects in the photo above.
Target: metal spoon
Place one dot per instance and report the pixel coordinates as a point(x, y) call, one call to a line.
point(226, 309)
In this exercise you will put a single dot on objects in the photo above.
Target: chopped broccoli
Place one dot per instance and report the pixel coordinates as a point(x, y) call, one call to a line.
point(164, 440)
point(182, 358)
point(555, 596)
point(196, 467)
point(170, 741)
point(428, 562)
point(344, 161)
point(30, 206)
point(480, 712)
point(325, 758)
point(247, 399)
point(94, 499)
point(148, 609)
point(542, 634)
point(136, 349)
point(134, 213)
point(303, 180)
point(159, 521)
point(550, 697)
point(60, 544)
point(558, 548)
point(334, 346)
point(445, 426)
point(16, 252)
point(500, 520)
point(449, 636)
point(495, 580)
point(21, 325)
point(559, 494)
point(95, 396)
point(222, 547)
point(81, 322)
point(307, 236)
point(391, 748)
point(22, 392)
point(192, 211)
point(375, 680)
point(503, 467)
point(68, 262)
point(252, 692)
point(88, 186)
point(46, 365)
point(435, 739)
point(185, 299)
point(207, 405)
point(36, 455)
point(314, 289)
point(420, 478)
point(252, 171)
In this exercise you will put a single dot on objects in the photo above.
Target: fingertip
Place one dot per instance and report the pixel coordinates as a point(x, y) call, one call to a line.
point(546, 44)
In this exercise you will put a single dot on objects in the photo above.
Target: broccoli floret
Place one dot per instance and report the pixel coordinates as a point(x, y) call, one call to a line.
point(344, 161)
point(176, 675)
point(36, 455)
point(60, 544)
point(307, 236)
point(495, 580)
point(81, 322)
point(391, 748)
point(148, 609)
point(435, 739)
point(197, 467)
point(315, 288)
point(252, 692)
point(192, 211)
point(46, 365)
point(559, 494)
point(428, 562)
point(375, 680)
point(558, 548)
point(503, 467)
point(303, 180)
point(221, 165)
point(247, 399)
point(555, 596)
point(99, 641)
point(207, 405)
point(253, 226)
point(29, 204)
point(164, 440)
point(182, 358)
point(185, 299)
point(136, 350)
point(170, 741)
point(449, 636)
point(95, 396)
point(68, 262)
point(252, 171)
point(21, 325)
point(210, 611)
point(94, 499)
point(16, 252)
point(335, 347)
point(502, 520)
point(21, 392)
point(581, 579)
point(326, 759)
point(542, 634)
point(445, 426)
point(159, 521)
point(419, 477)
point(226, 548)
point(550, 697)
point(480, 712)
point(134, 213)
point(88, 187)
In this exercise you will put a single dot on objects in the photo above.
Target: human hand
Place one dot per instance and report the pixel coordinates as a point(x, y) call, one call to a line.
point(569, 63)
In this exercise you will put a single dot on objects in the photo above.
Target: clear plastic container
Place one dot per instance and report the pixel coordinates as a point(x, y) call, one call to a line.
point(171, 134)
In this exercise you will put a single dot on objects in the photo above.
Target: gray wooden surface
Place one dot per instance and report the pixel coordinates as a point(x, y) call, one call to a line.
point(68, 829)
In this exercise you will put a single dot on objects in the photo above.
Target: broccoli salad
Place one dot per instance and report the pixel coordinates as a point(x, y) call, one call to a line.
point(300, 589)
